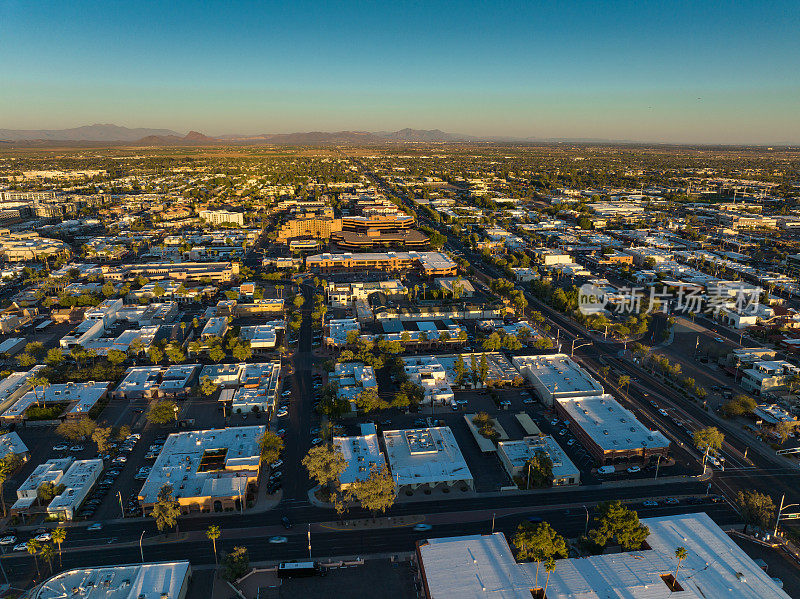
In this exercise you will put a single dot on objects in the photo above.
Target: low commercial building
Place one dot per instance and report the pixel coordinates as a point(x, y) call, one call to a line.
point(260, 384)
point(178, 380)
point(429, 263)
point(77, 483)
point(361, 453)
point(556, 376)
point(768, 376)
point(338, 329)
point(514, 455)
point(351, 379)
point(262, 337)
point(341, 295)
point(611, 434)
point(215, 327)
point(81, 397)
point(215, 272)
point(431, 376)
point(426, 457)
point(140, 382)
point(162, 580)
point(224, 375)
point(474, 566)
point(209, 471)
point(16, 384)
point(12, 443)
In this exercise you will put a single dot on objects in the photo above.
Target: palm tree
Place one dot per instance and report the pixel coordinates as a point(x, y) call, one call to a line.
point(47, 555)
point(681, 554)
point(624, 381)
point(59, 535)
point(549, 567)
point(214, 532)
point(33, 546)
point(44, 383)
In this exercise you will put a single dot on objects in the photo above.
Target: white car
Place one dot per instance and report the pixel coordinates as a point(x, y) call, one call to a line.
point(278, 540)
point(43, 537)
point(61, 447)
point(9, 540)
point(120, 459)
point(282, 413)
point(663, 412)
point(76, 448)
point(21, 547)
point(276, 464)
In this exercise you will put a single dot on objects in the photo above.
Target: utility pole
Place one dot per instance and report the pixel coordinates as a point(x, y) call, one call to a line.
point(586, 527)
point(309, 540)
point(658, 463)
point(141, 551)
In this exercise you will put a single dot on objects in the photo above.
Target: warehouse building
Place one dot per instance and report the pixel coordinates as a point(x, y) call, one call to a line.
point(556, 376)
point(426, 457)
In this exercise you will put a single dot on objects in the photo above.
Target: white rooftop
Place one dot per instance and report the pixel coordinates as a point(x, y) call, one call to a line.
point(136, 581)
point(477, 566)
point(362, 453)
point(12, 443)
point(611, 426)
point(179, 463)
point(557, 375)
point(425, 456)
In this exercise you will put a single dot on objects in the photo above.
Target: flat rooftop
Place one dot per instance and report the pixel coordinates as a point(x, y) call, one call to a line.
point(558, 375)
point(184, 463)
point(362, 453)
point(611, 426)
point(477, 566)
point(425, 456)
point(134, 581)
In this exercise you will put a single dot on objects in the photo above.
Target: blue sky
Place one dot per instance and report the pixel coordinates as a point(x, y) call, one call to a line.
point(726, 72)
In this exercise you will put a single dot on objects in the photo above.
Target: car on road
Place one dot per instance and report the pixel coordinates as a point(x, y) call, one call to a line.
point(76, 448)
point(277, 540)
point(61, 447)
point(672, 501)
point(21, 547)
point(571, 442)
point(286, 523)
point(276, 475)
point(653, 403)
point(606, 470)
point(650, 503)
point(9, 540)
point(43, 536)
point(316, 441)
point(719, 340)
point(96, 526)
point(422, 527)
point(663, 412)
point(562, 432)
point(634, 469)
point(282, 413)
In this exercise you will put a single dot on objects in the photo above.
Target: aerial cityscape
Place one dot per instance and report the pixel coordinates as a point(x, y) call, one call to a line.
point(409, 302)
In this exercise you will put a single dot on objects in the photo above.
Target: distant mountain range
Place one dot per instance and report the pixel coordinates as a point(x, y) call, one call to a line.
point(106, 133)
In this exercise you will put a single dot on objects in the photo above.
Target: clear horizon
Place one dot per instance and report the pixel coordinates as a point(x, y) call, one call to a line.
point(681, 73)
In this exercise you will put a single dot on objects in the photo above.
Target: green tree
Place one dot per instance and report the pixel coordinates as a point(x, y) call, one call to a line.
point(107, 290)
point(8, 465)
point(550, 567)
point(377, 492)
point(369, 400)
point(708, 439)
point(755, 508)
point(539, 470)
point(124, 432)
point(48, 552)
point(615, 521)
point(76, 430)
point(26, 360)
point(538, 544)
point(207, 386)
point(39, 382)
point(59, 535)
point(213, 533)
point(116, 357)
point(166, 509)
point(216, 353)
point(271, 446)
point(33, 546)
point(680, 555)
point(235, 564)
point(324, 465)
point(175, 354)
point(624, 381)
point(162, 412)
point(55, 357)
point(101, 436)
point(155, 354)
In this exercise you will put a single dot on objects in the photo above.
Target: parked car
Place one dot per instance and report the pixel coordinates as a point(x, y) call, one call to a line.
point(61, 447)
point(9, 540)
point(21, 547)
point(76, 448)
point(650, 503)
point(278, 539)
point(276, 464)
point(634, 469)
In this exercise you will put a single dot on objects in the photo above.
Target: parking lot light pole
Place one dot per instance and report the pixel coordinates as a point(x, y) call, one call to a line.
point(586, 527)
point(121, 509)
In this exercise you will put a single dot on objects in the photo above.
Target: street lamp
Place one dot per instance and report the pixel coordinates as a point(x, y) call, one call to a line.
point(141, 551)
point(780, 510)
point(586, 527)
point(573, 348)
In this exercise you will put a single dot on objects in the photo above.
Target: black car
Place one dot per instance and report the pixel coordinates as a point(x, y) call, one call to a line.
point(287, 524)
point(273, 486)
